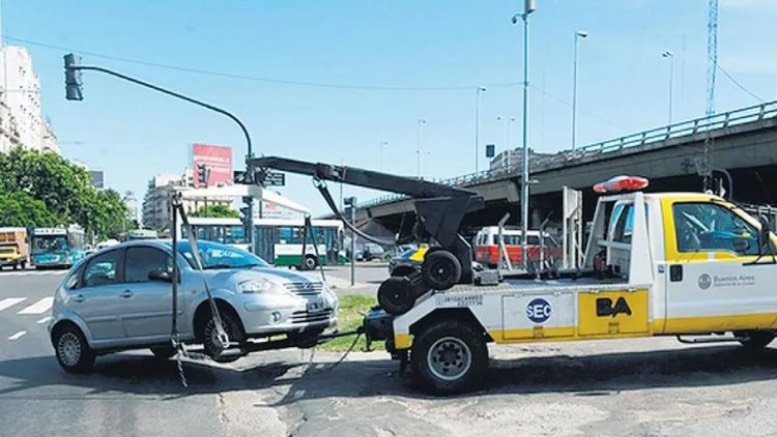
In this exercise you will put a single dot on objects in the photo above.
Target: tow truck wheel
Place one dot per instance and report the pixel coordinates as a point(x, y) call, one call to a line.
point(756, 339)
point(396, 295)
point(441, 270)
point(450, 356)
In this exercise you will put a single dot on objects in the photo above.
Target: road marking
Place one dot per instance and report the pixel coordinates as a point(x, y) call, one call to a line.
point(44, 320)
point(38, 307)
point(9, 302)
point(17, 336)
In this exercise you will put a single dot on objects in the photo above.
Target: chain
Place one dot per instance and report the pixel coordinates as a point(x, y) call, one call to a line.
point(180, 352)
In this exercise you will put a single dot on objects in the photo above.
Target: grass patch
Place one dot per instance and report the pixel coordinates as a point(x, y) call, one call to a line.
point(353, 307)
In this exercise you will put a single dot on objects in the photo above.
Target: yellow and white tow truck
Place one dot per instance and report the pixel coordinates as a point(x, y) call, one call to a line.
point(680, 264)
point(691, 265)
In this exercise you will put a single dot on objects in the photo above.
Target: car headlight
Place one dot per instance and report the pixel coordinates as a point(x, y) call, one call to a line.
point(254, 286)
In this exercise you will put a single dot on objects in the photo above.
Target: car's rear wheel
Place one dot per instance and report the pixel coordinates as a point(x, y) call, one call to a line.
point(73, 352)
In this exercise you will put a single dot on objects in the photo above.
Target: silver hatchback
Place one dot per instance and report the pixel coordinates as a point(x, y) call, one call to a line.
point(120, 298)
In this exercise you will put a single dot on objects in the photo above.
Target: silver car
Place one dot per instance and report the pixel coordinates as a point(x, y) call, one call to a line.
point(120, 298)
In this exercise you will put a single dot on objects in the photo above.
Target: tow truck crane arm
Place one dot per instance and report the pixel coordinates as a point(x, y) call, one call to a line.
point(439, 209)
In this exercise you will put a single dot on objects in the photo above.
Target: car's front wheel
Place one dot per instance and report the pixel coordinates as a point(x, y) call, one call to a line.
point(73, 352)
point(234, 330)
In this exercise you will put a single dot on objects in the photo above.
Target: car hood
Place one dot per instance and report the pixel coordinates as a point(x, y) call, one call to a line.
point(274, 275)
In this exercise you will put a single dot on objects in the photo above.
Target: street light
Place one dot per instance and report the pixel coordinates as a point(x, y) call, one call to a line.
point(668, 54)
point(478, 90)
point(420, 123)
point(579, 34)
point(529, 7)
point(382, 144)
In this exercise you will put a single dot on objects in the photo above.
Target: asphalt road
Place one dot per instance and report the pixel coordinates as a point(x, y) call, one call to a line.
point(636, 387)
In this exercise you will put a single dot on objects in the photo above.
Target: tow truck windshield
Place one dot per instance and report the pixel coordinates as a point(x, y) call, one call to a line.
point(220, 256)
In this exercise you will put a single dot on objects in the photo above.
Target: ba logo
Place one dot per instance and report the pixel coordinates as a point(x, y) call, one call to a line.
point(605, 308)
point(705, 281)
point(538, 310)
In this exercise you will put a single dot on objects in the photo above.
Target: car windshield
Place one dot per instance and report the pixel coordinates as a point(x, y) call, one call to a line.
point(220, 256)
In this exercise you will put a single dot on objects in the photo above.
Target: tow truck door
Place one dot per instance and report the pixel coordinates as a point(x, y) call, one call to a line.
point(709, 286)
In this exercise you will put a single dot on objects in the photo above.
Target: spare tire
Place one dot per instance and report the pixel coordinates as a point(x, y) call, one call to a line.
point(441, 270)
point(397, 295)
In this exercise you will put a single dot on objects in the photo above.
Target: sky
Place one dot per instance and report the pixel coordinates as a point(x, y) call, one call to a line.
point(331, 81)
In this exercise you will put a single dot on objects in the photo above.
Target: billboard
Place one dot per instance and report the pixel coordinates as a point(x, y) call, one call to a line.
point(217, 162)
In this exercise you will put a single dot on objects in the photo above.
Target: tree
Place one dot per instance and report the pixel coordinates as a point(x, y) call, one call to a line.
point(216, 211)
point(34, 182)
point(20, 209)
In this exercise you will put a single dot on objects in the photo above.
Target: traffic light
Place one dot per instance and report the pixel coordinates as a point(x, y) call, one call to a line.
point(202, 174)
point(73, 83)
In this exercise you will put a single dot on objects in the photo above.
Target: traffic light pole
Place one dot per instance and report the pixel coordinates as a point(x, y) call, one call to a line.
point(249, 156)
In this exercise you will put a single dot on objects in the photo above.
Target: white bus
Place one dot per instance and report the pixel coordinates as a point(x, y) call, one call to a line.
point(222, 230)
point(279, 241)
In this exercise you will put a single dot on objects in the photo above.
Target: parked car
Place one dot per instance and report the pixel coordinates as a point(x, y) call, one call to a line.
point(120, 298)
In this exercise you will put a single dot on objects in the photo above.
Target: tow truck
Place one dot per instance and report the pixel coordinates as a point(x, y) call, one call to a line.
point(691, 265)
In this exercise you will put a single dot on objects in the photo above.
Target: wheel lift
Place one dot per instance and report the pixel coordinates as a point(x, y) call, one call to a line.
point(440, 210)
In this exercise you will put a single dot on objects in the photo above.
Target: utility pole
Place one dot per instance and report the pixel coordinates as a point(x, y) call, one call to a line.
point(529, 7)
point(579, 34)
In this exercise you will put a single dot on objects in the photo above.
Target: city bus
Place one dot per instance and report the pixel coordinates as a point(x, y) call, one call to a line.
point(57, 247)
point(279, 241)
point(223, 230)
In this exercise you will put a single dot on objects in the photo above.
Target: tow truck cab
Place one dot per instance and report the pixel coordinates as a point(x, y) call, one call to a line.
point(655, 264)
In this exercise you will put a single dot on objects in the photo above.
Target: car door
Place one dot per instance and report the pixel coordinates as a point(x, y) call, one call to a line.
point(709, 284)
point(98, 299)
point(148, 306)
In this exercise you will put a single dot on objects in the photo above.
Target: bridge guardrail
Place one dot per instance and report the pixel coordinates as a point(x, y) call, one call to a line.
point(682, 129)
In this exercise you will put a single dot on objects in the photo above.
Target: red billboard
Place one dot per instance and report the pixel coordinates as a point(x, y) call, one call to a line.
point(212, 165)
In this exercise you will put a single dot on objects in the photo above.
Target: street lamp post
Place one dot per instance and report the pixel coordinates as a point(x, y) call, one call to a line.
point(669, 55)
point(529, 7)
point(579, 34)
point(382, 145)
point(420, 123)
point(478, 90)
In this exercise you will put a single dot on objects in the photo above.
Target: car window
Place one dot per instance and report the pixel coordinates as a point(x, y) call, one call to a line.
point(102, 269)
point(711, 227)
point(220, 256)
point(140, 261)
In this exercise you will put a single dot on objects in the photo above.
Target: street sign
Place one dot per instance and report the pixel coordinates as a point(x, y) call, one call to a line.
point(241, 177)
point(490, 150)
point(272, 179)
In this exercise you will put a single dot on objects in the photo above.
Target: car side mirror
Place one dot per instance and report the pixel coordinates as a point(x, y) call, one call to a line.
point(741, 244)
point(160, 276)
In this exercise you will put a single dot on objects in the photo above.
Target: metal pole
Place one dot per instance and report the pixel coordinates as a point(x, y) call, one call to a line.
point(477, 127)
point(353, 246)
point(418, 147)
point(249, 155)
point(579, 34)
point(668, 54)
point(525, 154)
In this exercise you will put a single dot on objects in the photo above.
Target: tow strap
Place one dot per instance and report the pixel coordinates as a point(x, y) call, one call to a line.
point(222, 339)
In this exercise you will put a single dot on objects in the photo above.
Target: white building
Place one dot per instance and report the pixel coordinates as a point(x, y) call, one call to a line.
point(156, 207)
point(24, 123)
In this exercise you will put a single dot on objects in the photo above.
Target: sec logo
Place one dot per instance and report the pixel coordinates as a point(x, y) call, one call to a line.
point(538, 310)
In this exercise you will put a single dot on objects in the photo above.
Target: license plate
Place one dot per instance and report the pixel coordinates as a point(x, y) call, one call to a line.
point(315, 305)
